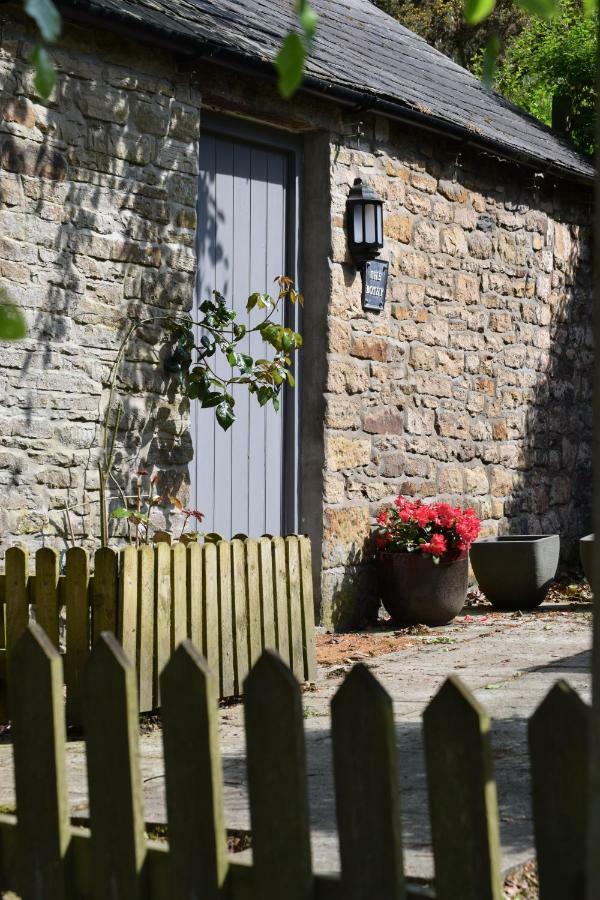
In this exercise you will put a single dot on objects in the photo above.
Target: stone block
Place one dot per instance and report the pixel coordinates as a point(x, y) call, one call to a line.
point(346, 535)
point(398, 228)
point(351, 378)
point(480, 246)
point(342, 413)
point(419, 421)
point(426, 236)
point(476, 481)
point(392, 464)
point(466, 288)
point(369, 347)
point(452, 190)
point(453, 241)
point(450, 480)
point(350, 597)
point(501, 481)
point(342, 453)
point(382, 420)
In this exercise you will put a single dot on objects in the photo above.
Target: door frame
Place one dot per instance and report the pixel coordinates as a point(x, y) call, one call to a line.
point(227, 126)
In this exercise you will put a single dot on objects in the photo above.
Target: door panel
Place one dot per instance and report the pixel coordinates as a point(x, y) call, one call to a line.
point(244, 242)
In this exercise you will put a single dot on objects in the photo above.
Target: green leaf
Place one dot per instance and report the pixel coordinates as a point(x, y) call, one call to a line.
point(276, 404)
point(490, 60)
point(225, 415)
point(46, 16)
point(290, 65)
point(291, 380)
point(211, 399)
point(264, 394)
point(121, 513)
point(12, 323)
point(308, 18)
point(590, 7)
point(543, 8)
point(252, 301)
point(478, 10)
point(45, 75)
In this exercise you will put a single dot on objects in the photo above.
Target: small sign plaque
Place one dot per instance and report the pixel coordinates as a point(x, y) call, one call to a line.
point(375, 277)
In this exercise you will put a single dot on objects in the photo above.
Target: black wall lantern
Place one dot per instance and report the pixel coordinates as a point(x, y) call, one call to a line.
point(365, 237)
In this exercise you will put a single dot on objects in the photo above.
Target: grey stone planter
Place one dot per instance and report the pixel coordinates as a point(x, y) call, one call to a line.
point(586, 555)
point(515, 571)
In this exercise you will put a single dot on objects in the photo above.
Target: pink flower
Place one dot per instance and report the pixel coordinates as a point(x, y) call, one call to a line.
point(437, 545)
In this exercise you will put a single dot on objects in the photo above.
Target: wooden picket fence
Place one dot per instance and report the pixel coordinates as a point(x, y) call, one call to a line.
point(42, 857)
point(232, 598)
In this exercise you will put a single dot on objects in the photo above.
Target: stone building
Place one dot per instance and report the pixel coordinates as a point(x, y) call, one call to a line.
point(166, 164)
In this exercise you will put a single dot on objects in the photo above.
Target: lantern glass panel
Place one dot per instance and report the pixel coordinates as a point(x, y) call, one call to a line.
point(380, 226)
point(358, 224)
point(370, 233)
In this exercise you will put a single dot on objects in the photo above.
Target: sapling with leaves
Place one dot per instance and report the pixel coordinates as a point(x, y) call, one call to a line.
point(221, 334)
point(194, 363)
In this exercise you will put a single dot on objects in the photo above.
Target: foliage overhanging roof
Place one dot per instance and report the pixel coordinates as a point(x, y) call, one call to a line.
point(360, 49)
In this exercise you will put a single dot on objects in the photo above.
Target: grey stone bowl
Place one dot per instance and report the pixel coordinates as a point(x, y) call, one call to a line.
point(586, 555)
point(515, 571)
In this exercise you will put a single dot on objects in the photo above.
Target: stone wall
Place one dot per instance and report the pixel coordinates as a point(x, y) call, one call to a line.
point(474, 384)
point(97, 226)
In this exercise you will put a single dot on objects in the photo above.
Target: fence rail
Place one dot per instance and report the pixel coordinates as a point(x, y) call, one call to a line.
point(232, 598)
point(45, 858)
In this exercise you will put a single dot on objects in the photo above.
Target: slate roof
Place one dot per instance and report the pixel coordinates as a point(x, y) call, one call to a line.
point(361, 48)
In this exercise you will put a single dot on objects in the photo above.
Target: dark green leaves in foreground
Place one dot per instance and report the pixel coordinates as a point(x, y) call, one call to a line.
point(12, 321)
point(293, 52)
point(478, 10)
point(45, 75)
point(47, 18)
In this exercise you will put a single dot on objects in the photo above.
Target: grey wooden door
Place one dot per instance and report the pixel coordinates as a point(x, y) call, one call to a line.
point(244, 480)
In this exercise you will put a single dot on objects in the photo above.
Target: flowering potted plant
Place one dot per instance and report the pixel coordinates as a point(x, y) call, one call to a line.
point(422, 559)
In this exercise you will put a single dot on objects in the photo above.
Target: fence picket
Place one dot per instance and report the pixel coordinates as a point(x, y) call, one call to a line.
point(210, 600)
point(145, 628)
point(195, 612)
point(118, 844)
point(38, 727)
point(178, 595)
point(128, 602)
point(462, 796)
point(276, 761)
point(280, 598)
point(240, 613)
point(47, 573)
point(253, 586)
point(267, 605)
point(292, 555)
point(162, 613)
point(17, 597)
point(77, 630)
point(105, 592)
point(367, 791)
point(308, 610)
point(225, 629)
point(559, 755)
point(193, 777)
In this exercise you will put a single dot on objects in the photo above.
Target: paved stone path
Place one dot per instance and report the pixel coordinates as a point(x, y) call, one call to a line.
point(509, 661)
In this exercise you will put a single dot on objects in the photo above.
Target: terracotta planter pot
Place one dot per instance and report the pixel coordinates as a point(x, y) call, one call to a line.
point(586, 555)
point(416, 591)
point(515, 571)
